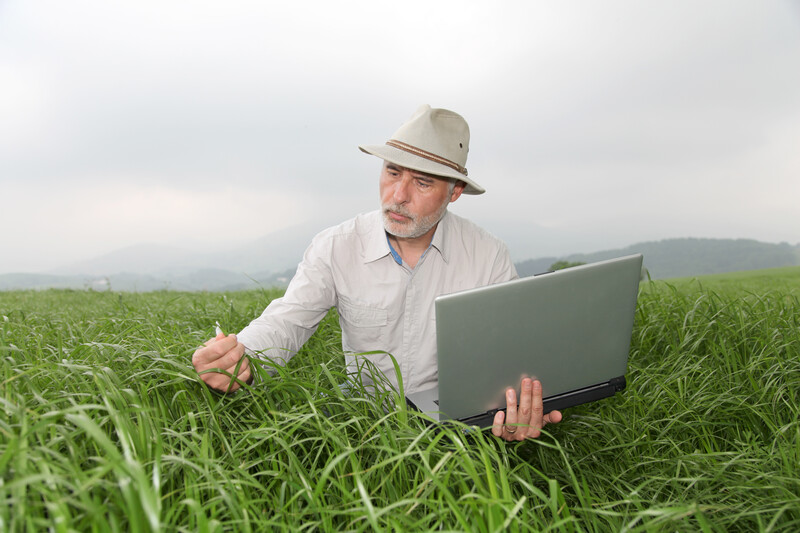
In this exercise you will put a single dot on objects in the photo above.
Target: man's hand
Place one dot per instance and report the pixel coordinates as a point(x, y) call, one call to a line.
point(224, 353)
point(526, 421)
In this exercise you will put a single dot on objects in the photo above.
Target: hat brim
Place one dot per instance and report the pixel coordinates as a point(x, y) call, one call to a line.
point(415, 162)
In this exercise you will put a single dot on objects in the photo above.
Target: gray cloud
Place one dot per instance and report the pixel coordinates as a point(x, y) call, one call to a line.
point(593, 124)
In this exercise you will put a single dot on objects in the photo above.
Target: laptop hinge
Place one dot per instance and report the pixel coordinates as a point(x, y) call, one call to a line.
point(560, 401)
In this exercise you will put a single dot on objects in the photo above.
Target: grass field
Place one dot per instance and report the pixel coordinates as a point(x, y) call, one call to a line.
point(784, 279)
point(105, 427)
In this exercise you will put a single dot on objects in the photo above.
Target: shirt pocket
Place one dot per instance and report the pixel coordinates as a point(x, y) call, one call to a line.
point(362, 325)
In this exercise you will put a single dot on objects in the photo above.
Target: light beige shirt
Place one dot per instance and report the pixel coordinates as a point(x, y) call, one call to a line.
point(382, 305)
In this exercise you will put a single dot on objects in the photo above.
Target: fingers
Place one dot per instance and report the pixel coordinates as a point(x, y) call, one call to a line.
point(537, 411)
point(511, 408)
point(229, 360)
point(222, 353)
point(507, 425)
point(244, 371)
point(219, 337)
point(518, 420)
point(222, 382)
point(214, 349)
point(525, 420)
point(526, 401)
point(497, 426)
point(553, 417)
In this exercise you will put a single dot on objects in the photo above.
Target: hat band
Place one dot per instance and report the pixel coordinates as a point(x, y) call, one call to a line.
point(427, 155)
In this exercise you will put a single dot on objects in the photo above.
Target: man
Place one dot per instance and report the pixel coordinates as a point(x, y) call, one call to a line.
point(382, 271)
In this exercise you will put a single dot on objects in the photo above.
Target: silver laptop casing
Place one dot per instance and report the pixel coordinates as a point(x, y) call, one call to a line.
point(571, 329)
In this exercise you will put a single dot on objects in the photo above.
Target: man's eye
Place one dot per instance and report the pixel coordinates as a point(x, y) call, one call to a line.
point(424, 184)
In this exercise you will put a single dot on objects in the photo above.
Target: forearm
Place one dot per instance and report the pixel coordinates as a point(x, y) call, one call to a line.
point(281, 330)
point(288, 322)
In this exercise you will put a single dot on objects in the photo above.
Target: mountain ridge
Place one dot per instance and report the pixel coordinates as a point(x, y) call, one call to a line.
point(273, 252)
point(664, 259)
point(687, 256)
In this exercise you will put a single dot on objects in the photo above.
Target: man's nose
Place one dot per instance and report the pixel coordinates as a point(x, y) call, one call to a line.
point(402, 189)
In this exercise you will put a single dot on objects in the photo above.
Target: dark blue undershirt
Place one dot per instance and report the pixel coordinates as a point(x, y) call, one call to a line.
point(396, 256)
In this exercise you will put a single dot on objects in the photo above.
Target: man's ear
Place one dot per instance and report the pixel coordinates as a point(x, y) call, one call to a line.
point(457, 190)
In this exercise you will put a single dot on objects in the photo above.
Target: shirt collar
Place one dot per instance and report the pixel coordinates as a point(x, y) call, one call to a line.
point(376, 244)
point(440, 236)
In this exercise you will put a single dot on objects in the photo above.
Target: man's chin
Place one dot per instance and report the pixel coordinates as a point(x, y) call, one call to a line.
point(410, 229)
point(400, 232)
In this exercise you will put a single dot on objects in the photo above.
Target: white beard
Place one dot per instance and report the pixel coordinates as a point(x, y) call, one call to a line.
point(416, 226)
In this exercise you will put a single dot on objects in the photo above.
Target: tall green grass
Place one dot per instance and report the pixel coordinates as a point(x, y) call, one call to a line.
point(104, 426)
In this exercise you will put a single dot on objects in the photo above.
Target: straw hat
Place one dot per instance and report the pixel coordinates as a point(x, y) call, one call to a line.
point(434, 141)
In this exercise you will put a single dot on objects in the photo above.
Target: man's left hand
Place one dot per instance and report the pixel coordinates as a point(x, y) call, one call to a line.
point(523, 421)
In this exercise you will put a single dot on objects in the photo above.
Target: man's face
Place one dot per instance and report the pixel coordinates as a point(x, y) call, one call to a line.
point(413, 202)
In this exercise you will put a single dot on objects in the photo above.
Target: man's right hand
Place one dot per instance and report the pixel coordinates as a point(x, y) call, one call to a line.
point(224, 353)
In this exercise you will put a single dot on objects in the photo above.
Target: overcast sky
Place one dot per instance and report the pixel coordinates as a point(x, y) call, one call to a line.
point(595, 125)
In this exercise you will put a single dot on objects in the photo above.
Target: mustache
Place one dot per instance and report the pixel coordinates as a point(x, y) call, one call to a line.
point(399, 209)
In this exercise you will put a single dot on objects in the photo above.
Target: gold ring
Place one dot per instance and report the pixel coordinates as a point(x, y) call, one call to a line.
point(509, 429)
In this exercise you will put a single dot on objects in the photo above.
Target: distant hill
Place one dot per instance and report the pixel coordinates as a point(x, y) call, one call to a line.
point(166, 269)
point(271, 253)
point(674, 258)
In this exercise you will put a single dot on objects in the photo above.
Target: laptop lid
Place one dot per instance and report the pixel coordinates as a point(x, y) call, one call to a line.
point(571, 329)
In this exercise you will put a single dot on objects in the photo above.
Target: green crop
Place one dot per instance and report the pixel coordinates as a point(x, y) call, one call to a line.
point(104, 426)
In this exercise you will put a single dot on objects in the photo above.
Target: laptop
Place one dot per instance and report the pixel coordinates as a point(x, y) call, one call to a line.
point(570, 329)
